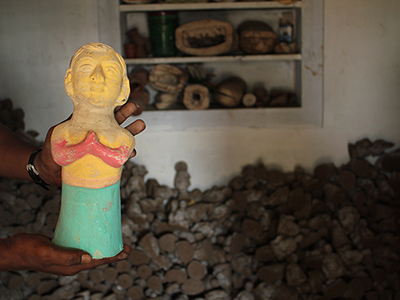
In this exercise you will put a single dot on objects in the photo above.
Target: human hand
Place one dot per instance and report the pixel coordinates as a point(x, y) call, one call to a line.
point(121, 113)
point(50, 172)
point(36, 252)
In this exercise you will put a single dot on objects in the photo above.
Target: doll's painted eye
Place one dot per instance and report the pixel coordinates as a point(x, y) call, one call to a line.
point(112, 70)
point(86, 68)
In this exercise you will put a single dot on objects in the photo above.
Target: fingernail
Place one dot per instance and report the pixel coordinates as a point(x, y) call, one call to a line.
point(86, 258)
point(123, 255)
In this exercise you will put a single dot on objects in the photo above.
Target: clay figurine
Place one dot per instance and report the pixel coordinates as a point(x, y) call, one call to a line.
point(91, 148)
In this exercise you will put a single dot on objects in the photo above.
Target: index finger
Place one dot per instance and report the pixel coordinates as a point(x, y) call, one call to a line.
point(123, 112)
point(136, 127)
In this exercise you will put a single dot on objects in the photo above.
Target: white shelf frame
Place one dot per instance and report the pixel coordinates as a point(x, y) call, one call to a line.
point(206, 6)
point(310, 67)
point(200, 59)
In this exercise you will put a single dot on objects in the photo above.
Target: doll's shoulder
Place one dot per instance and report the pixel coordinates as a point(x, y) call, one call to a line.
point(68, 132)
point(60, 130)
point(119, 136)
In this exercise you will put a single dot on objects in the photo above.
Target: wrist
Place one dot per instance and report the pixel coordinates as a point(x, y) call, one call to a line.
point(34, 167)
point(8, 261)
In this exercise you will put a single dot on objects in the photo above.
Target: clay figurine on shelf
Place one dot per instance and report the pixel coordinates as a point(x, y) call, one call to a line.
point(142, 44)
point(91, 148)
point(139, 95)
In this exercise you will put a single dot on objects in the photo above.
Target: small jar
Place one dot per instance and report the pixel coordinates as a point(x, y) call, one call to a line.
point(162, 25)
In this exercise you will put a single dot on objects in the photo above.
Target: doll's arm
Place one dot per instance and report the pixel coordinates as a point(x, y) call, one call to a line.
point(64, 154)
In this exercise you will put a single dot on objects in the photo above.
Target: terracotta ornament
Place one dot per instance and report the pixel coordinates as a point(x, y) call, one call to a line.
point(206, 37)
point(196, 97)
point(256, 37)
point(230, 91)
point(91, 148)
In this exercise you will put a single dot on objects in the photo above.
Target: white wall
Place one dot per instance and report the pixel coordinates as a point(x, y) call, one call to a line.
point(37, 40)
point(361, 86)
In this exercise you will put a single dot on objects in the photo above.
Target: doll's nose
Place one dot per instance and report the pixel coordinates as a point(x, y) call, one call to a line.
point(98, 74)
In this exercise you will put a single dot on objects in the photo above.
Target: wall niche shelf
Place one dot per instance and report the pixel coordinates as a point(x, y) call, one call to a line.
point(301, 72)
point(201, 59)
point(207, 5)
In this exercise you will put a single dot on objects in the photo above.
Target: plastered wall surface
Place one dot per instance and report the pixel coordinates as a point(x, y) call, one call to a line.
point(361, 90)
point(37, 41)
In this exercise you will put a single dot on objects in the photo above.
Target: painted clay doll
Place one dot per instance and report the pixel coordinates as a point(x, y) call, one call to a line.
point(91, 148)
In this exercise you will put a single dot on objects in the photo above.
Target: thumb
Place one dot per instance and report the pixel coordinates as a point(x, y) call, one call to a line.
point(73, 257)
point(86, 258)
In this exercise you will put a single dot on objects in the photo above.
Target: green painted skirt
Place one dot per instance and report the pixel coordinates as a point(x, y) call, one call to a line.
point(90, 219)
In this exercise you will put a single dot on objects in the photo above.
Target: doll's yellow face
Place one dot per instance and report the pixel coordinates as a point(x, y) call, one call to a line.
point(97, 77)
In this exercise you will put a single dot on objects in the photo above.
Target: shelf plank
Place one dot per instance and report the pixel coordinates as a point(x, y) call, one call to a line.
point(186, 120)
point(205, 6)
point(204, 59)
